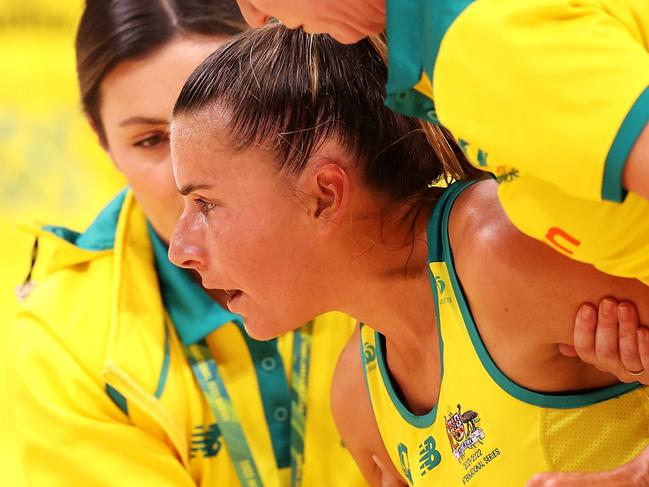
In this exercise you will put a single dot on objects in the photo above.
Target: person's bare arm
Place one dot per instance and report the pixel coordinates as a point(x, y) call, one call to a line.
point(524, 296)
point(352, 411)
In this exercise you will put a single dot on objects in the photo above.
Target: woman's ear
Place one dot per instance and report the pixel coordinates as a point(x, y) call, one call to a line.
point(327, 186)
point(99, 133)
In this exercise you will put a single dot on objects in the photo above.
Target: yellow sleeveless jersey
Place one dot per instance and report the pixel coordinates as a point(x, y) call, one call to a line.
point(486, 430)
point(549, 96)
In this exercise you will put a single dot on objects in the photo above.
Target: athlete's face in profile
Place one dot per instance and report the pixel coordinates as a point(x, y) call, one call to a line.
point(137, 100)
point(348, 22)
point(245, 228)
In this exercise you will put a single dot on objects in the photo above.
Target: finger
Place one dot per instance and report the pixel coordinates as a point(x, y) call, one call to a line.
point(567, 350)
point(628, 325)
point(584, 334)
point(620, 477)
point(387, 479)
point(606, 338)
point(556, 480)
point(643, 348)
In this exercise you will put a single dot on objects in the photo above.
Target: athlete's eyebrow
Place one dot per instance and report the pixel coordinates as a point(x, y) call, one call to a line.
point(190, 188)
point(138, 120)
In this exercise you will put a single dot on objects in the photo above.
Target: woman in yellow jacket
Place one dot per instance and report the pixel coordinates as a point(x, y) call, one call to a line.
point(124, 370)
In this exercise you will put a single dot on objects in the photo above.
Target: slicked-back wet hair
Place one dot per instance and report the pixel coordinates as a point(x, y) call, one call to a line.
point(290, 91)
point(113, 31)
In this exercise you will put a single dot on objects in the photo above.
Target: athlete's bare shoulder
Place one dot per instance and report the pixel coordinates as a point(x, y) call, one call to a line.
point(522, 294)
point(352, 411)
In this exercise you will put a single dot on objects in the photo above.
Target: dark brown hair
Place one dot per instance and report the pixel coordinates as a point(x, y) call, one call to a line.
point(113, 31)
point(290, 91)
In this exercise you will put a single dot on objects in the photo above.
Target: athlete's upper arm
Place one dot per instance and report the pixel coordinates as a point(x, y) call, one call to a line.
point(354, 417)
point(69, 432)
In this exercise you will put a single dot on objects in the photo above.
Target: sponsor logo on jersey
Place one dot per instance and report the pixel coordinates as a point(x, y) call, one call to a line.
point(506, 174)
point(402, 451)
point(429, 456)
point(441, 286)
point(562, 240)
point(369, 356)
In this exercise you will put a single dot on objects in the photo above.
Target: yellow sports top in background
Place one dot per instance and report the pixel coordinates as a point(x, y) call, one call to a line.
point(549, 96)
point(51, 168)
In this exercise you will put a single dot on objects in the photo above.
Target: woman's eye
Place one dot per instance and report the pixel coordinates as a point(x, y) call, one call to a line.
point(152, 141)
point(205, 205)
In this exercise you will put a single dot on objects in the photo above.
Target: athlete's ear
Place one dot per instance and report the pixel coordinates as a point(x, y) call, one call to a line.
point(327, 186)
point(101, 137)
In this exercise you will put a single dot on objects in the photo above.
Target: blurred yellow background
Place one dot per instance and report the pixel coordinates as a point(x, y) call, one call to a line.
point(51, 168)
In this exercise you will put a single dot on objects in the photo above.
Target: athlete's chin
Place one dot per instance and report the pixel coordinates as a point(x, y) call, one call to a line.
point(262, 329)
point(262, 334)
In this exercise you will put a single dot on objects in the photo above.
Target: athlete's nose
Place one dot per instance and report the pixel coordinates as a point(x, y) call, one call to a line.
point(185, 248)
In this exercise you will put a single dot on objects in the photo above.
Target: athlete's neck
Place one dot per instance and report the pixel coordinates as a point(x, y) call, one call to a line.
point(386, 285)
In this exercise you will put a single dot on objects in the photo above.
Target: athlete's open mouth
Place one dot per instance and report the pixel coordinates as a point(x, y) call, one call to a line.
point(233, 295)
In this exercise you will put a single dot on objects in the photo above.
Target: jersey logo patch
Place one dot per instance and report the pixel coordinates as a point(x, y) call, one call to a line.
point(441, 286)
point(462, 432)
point(429, 456)
point(206, 442)
point(562, 240)
point(402, 451)
point(369, 356)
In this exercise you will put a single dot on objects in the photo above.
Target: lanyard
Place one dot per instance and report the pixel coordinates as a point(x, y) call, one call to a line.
point(301, 359)
point(206, 373)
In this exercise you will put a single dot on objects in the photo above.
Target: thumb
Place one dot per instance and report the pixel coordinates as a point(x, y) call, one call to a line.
point(387, 479)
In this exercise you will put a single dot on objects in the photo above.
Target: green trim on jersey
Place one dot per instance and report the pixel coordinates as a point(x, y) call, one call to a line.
point(630, 130)
point(566, 400)
point(418, 421)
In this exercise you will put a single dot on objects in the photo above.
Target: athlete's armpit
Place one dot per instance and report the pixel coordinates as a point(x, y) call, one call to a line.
point(352, 412)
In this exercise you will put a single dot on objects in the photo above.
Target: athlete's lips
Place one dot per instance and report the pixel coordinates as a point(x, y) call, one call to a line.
point(234, 295)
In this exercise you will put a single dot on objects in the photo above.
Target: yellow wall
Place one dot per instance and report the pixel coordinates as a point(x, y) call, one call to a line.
point(51, 169)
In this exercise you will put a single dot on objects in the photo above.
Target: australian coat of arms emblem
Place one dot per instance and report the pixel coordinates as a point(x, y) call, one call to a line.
point(463, 432)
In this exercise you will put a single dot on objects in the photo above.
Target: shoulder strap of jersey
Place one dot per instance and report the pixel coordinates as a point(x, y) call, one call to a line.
point(438, 219)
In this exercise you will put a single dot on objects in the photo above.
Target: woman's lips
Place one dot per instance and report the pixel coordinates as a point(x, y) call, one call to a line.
point(233, 296)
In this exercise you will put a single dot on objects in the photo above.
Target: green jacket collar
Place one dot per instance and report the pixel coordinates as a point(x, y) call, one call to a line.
point(194, 313)
point(100, 235)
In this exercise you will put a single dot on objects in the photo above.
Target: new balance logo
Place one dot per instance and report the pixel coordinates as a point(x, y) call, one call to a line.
point(206, 442)
point(429, 457)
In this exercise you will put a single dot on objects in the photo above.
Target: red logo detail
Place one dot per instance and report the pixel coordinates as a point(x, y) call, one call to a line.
point(556, 234)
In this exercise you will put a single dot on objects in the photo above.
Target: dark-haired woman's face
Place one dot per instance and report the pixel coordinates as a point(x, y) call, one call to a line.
point(137, 100)
point(346, 21)
point(245, 228)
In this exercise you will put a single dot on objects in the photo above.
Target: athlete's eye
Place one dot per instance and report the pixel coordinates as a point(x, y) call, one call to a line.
point(206, 206)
